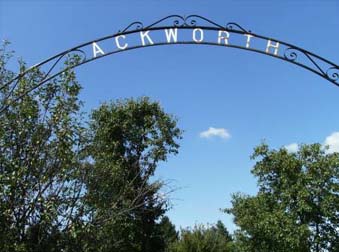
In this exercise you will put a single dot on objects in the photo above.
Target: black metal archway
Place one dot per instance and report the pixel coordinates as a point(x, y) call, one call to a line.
point(173, 30)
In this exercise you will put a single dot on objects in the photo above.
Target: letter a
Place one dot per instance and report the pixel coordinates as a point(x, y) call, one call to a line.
point(96, 50)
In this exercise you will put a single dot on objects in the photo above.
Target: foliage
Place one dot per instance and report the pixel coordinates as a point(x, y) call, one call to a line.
point(168, 232)
point(66, 187)
point(297, 206)
point(129, 138)
point(203, 239)
point(41, 137)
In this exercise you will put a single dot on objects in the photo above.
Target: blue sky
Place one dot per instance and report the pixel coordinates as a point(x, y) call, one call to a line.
point(251, 96)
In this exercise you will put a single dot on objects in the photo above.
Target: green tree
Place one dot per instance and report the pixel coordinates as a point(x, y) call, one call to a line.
point(203, 239)
point(129, 138)
point(168, 232)
point(41, 137)
point(64, 187)
point(297, 206)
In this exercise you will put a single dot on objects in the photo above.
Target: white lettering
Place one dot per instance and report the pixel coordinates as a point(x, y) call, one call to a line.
point(248, 40)
point(201, 37)
point(144, 35)
point(122, 47)
point(171, 34)
point(271, 45)
point(223, 35)
point(96, 50)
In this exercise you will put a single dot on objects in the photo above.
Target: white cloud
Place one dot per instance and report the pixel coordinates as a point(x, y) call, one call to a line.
point(332, 141)
point(293, 147)
point(215, 132)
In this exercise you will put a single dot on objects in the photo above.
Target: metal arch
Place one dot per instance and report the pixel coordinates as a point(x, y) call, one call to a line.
point(290, 53)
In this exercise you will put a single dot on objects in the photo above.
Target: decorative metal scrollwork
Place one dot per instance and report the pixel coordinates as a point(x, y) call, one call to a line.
point(137, 26)
point(64, 61)
point(333, 73)
point(291, 54)
point(235, 27)
point(79, 57)
point(185, 21)
point(313, 62)
point(67, 60)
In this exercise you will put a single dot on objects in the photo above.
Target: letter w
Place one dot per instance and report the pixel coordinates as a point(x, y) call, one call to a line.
point(171, 34)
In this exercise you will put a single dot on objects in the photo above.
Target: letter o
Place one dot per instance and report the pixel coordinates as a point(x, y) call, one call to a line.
point(201, 36)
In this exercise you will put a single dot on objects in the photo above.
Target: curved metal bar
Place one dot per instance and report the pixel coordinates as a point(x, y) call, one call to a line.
point(231, 26)
point(138, 25)
point(291, 53)
point(176, 22)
